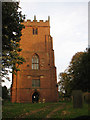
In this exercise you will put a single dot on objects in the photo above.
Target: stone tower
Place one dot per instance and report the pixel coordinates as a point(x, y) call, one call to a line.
point(36, 79)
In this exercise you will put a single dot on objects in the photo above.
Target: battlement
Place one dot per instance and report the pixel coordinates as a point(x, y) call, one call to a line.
point(40, 21)
point(28, 22)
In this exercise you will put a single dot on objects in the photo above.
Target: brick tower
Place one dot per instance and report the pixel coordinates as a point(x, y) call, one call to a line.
point(36, 80)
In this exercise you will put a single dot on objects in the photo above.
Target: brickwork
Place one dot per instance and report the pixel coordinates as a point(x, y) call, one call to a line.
point(42, 45)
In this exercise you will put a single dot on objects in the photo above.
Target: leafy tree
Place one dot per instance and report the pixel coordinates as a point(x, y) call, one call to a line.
point(77, 75)
point(11, 33)
point(65, 83)
point(79, 70)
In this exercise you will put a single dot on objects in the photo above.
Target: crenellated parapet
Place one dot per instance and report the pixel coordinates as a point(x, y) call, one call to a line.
point(28, 22)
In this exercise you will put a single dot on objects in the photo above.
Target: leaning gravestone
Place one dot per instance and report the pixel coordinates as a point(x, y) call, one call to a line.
point(77, 99)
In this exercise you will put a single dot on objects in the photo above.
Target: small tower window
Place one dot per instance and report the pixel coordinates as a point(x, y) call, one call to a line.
point(35, 62)
point(35, 31)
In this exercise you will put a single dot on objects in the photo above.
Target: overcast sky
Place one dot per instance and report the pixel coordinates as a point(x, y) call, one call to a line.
point(69, 26)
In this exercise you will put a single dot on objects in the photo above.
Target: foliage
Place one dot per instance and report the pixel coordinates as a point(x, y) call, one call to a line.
point(65, 83)
point(11, 33)
point(76, 76)
point(79, 70)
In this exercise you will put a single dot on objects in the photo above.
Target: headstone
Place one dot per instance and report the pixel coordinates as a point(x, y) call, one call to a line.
point(87, 97)
point(77, 99)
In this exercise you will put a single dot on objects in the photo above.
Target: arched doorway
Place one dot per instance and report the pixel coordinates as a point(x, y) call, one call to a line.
point(35, 97)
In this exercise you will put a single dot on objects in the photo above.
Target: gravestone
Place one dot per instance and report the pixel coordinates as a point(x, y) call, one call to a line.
point(77, 99)
point(87, 97)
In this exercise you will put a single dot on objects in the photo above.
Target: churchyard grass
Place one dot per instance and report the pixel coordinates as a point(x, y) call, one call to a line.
point(69, 112)
point(42, 110)
point(13, 110)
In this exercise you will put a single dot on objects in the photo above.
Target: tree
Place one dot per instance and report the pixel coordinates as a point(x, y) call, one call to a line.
point(11, 33)
point(77, 75)
point(79, 70)
point(65, 83)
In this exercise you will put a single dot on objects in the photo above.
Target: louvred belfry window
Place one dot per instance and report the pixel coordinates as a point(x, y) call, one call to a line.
point(35, 31)
point(35, 62)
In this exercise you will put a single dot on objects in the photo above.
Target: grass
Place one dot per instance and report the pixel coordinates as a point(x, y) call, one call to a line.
point(41, 110)
point(13, 110)
point(44, 112)
point(69, 112)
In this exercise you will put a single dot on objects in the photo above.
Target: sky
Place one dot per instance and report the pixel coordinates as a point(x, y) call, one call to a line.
point(68, 26)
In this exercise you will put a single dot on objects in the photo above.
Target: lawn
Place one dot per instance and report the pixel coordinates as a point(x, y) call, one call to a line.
point(62, 110)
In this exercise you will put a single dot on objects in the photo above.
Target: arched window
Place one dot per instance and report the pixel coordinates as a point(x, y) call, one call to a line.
point(35, 62)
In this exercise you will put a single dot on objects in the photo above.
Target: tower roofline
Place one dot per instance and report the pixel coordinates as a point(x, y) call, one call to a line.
point(35, 20)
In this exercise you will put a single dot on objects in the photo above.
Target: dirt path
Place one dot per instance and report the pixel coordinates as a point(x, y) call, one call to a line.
point(30, 113)
point(61, 106)
point(55, 110)
point(35, 111)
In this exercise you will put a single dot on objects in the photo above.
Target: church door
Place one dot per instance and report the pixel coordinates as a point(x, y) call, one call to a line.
point(35, 97)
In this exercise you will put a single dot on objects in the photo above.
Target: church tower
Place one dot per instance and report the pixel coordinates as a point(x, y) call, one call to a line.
point(36, 81)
